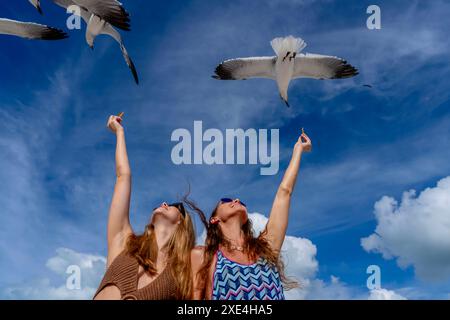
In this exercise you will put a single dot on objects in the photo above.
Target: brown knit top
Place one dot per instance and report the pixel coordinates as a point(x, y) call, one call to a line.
point(123, 273)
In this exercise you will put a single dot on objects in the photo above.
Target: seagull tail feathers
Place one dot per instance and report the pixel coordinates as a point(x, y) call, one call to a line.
point(282, 45)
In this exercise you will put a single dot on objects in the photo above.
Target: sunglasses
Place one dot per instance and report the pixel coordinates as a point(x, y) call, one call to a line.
point(227, 200)
point(179, 206)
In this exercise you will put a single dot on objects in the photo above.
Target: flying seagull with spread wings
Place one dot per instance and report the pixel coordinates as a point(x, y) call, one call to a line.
point(112, 11)
point(37, 5)
point(289, 63)
point(30, 30)
point(97, 26)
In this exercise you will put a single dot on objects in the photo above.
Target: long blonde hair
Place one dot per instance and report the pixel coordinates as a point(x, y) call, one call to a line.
point(144, 248)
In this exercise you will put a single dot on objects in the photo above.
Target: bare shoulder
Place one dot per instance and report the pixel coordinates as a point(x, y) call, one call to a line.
point(197, 254)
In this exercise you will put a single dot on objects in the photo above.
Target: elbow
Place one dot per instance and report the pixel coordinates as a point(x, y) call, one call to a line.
point(123, 172)
point(123, 175)
point(285, 191)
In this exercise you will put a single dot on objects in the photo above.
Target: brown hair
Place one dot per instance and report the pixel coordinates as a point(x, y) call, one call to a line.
point(254, 247)
point(144, 248)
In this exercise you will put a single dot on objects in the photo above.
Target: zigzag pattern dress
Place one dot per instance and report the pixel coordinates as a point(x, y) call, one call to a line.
point(234, 281)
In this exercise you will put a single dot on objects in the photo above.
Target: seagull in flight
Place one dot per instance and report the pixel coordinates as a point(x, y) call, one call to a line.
point(37, 5)
point(30, 30)
point(289, 63)
point(97, 26)
point(111, 11)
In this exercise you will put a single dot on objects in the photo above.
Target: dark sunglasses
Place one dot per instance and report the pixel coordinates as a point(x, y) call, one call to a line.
point(179, 206)
point(227, 200)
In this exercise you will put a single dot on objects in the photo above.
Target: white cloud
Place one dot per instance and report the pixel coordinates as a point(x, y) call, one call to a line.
point(384, 294)
point(92, 268)
point(416, 232)
point(318, 289)
point(299, 255)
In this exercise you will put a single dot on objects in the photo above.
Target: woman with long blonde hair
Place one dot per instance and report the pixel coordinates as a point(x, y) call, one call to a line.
point(236, 265)
point(154, 264)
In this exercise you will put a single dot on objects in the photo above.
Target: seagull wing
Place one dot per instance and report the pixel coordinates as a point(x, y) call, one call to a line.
point(30, 30)
point(67, 3)
point(244, 68)
point(109, 30)
point(322, 67)
point(111, 11)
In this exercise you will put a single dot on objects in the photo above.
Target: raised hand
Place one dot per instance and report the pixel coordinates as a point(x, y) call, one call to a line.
point(114, 122)
point(304, 142)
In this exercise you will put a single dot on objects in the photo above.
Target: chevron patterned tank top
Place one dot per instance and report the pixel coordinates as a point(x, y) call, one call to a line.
point(234, 281)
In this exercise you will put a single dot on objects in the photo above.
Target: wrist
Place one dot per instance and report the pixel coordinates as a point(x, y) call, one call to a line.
point(298, 147)
point(119, 130)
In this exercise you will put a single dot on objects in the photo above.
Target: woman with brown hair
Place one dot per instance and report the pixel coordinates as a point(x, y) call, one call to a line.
point(235, 265)
point(155, 264)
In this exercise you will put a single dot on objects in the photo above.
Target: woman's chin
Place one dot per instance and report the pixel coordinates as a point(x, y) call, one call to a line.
point(156, 215)
point(242, 213)
point(160, 217)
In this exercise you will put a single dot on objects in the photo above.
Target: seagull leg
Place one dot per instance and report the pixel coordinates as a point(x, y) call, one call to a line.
point(287, 53)
point(293, 56)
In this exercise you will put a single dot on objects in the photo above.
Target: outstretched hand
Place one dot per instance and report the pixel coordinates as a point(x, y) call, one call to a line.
point(304, 143)
point(114, 123)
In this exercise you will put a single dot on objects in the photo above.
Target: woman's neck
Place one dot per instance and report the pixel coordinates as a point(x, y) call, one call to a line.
point(232, 231)
point(163, 233)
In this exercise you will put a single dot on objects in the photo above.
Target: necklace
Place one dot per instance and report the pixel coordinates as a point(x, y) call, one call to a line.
point(229, 244)
point(237, 248)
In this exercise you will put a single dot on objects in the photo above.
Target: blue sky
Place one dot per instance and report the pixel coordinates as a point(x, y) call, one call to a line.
point(57, 159)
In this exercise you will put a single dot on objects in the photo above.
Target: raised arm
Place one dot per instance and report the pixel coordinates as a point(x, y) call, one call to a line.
point(278, 219)
point(119, 221)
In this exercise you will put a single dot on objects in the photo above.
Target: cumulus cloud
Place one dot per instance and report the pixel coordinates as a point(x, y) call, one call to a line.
point(318, 289)
point(416, 231)
point(91, 269)
point(384, 294)
point(299, 255)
